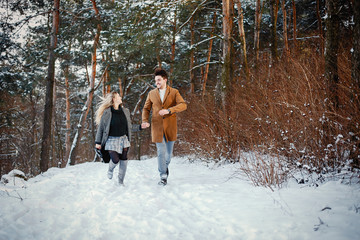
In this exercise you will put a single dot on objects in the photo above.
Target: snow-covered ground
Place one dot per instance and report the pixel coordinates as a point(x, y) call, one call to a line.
point(199, 202)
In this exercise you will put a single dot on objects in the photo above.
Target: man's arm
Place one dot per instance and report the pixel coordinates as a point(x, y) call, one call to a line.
point(180, 104)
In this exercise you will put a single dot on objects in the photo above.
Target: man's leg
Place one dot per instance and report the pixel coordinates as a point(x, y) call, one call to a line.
point(164, 151)
point(169, 151)
point(161, 154)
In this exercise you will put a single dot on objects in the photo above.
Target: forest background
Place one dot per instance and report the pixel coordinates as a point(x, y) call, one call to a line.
point(276, 78)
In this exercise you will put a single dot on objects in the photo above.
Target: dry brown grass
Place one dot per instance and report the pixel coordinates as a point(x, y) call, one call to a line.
point(283, 111)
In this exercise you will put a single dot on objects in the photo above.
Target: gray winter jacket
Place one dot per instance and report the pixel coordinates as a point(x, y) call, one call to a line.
point(102, 133)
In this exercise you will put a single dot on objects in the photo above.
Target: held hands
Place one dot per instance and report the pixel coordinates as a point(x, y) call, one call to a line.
point(145, 125)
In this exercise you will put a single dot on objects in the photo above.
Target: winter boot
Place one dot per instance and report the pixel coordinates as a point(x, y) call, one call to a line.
point(162, 182)
point(112, 166)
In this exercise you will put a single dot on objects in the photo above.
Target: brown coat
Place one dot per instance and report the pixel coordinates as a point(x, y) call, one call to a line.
point(167, 124)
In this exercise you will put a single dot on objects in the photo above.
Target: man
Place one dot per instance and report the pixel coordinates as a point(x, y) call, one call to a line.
point(165, 102)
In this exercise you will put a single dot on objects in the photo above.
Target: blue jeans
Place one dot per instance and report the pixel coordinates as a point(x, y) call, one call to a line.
point(164, 153)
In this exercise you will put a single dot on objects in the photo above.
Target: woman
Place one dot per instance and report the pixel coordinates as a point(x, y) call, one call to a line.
point(114, 132)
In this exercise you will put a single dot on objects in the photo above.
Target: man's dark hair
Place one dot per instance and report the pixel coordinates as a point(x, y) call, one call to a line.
point(161, 72)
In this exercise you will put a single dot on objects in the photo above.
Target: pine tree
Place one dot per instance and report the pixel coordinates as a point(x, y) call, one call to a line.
point(48, 111)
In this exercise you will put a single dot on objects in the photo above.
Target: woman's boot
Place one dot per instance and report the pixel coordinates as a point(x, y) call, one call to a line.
point(112, 166)
point(122, 171)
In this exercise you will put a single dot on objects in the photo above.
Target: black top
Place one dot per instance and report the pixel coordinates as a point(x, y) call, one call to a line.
point(118, 124)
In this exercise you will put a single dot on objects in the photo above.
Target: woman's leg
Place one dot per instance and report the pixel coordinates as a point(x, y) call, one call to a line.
point(123, 155)
point(114, 159)
point(123, 165)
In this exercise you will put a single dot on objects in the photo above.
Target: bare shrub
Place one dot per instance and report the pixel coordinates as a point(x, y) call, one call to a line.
point(211, 132)
point(263, 170)
point(282, 111)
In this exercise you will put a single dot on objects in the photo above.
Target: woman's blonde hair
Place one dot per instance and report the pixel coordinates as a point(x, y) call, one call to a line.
point(105, 102)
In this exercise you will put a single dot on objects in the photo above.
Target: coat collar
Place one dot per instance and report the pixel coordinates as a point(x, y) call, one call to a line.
point(167, 92)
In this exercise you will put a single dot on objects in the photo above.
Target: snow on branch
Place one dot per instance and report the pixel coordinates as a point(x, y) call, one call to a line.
point(205, 40)
point(133, 80)
point(303, 38)
point(204, 64)
point(192, 14)
point(137, 106)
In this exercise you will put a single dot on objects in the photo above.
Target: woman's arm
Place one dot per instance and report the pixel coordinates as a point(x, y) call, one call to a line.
point(136, 128)
point(100, 132)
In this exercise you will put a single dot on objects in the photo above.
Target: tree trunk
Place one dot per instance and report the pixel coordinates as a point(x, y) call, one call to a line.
point(209, 56)
point(258, 15)
point(53, 129)
point(227, 56)
point(294, 25)
point(135, 111)
point(87, 106)
point(274, 8)
point(34, 134)
point(172, 57)
point(120, 88)
point(93, 125)
point(192, 39)
point(355, 75)
point(104, 86)
point(46, 140)
point(331, 55)
point(107, 77)
point(68, 122)
point(321, 33)
point(285, 32)
point(242, 37)
point(331, 70)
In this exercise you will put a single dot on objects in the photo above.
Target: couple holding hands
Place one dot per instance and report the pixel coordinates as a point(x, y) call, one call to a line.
point(114, 126)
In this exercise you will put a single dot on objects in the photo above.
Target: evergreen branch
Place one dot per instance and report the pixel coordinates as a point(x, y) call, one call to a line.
point(76, 16)
point(191, 16)
point(102, 78)
point(27, 19)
